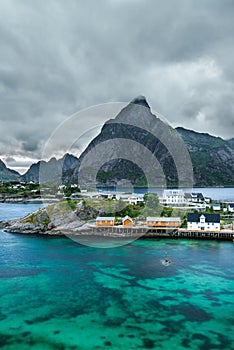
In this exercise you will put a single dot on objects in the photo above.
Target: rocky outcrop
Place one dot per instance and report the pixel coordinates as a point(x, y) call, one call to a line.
point(3, 224)
point(53, 220)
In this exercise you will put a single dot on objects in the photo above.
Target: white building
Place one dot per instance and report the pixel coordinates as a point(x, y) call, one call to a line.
point(75, 186)
point(208, 222)
point(231, 207)
point(197, 197)
point(194, 197)
point(207, 199)
point(135, 199)
point(216, 206)
point(173, 197)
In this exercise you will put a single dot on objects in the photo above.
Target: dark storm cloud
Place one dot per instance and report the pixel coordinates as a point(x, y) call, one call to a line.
point(57, 57)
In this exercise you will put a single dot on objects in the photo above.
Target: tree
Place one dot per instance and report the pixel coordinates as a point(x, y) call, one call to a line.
point(152, 206)
point(151, 200)
point(67, 191)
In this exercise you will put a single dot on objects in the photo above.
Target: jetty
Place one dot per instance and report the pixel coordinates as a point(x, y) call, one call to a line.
point(145, 231)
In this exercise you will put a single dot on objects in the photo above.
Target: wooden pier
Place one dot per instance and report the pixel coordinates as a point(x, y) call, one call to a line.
point(204, 234)
point(145, 231)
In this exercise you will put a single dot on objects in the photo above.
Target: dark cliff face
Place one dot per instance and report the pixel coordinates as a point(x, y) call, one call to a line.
point(212, 158)
point(7, 174)
point(231, 142)
point(135, 147)
point(116, 168)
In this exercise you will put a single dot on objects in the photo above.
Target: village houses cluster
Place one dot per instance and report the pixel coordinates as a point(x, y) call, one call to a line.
point(177, 198)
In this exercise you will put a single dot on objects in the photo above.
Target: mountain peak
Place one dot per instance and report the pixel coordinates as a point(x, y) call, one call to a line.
point(7, 174)
point(140, 100)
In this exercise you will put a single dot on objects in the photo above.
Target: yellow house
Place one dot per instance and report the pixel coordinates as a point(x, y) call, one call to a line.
point(105, 221)
point(163, 222)
point(127, 221)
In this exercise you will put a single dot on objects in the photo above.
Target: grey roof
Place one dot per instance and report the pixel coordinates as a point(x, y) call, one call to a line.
point(195, 217)
point(198, 195)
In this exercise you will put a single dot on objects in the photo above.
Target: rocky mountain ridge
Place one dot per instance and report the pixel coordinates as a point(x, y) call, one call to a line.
point(212, 157)
point(7, 174)
point(49, 170)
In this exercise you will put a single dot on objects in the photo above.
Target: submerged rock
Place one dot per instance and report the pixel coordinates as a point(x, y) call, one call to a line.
point(166, 262)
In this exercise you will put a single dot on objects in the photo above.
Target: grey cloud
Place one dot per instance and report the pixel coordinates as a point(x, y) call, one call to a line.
point(58, 57)
point(30, 145)
point(10, 160)
point(20, 165)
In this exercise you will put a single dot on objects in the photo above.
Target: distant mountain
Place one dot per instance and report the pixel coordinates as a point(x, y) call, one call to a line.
point(7, 174)
point(49, 171)
point(212, 158)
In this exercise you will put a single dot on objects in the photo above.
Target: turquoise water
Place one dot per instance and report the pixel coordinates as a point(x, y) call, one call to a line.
point(57, 294)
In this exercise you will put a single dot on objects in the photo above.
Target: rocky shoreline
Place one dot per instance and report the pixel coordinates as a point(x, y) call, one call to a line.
point(28, 229)
point(15, 200)
point(54, 219)
point(59, 231)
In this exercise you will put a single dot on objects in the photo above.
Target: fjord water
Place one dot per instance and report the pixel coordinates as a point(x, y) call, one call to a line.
point(57, 294)
point(216, 193)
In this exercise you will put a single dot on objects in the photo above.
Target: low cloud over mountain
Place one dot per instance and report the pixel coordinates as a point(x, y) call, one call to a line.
point(58, 57)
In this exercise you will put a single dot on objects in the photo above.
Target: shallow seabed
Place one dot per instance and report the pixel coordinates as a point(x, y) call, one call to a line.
point(57, 294)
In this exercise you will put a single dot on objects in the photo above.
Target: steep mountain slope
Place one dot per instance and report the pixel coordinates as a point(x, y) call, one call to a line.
point(212, 158)
point(7, 174)
point(231, 142)
point(135, 146)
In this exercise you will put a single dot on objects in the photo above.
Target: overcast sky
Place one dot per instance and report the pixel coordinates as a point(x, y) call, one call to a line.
point(60, 56)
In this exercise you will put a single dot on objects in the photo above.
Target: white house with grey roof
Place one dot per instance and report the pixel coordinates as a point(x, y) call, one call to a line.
point(231, 207)
point(207, 222)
